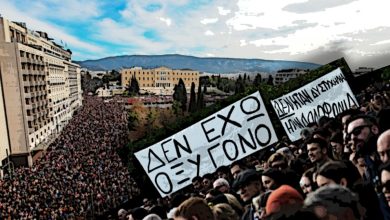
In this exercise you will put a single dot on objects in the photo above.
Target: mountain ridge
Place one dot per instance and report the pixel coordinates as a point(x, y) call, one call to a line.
point(202, 64)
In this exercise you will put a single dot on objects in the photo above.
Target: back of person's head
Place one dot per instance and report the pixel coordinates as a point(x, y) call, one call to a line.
point(138, 213)
point(285, 200)
point(323, 120)
point(321, 132)
point(194, 207)
point(234, 203)
point(177, 199)
point(152, 217)
point(335, 200)
point(306, 133)
point(312, 125)
point(333, 125)
point(224, 211)
point(122, 214)
point(278, 157)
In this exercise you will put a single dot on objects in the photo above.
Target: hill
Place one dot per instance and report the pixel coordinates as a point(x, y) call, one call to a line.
point(203, 64)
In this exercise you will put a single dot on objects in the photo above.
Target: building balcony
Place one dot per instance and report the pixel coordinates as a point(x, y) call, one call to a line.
point(31, 130)
point(30, 117)
point(28, 106)
point(23, 59)
point(27, 95)
point(27, 83)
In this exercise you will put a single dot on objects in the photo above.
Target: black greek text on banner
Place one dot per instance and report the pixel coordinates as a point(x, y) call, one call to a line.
point(232, 133)
point(328, 95)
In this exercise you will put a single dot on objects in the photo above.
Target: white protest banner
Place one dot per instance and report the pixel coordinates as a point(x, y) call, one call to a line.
point(232, 133)
point(328, 95)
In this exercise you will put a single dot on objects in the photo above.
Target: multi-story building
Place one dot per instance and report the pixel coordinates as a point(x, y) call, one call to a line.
point(363, 70)
point(40, 90)
point(160, 80)
point(285, 75)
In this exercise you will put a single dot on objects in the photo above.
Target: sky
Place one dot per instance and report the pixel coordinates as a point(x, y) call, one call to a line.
point(318, 31)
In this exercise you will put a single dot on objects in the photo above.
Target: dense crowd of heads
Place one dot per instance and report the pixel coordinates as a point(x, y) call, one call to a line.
point(340, 169)
point(79, 175)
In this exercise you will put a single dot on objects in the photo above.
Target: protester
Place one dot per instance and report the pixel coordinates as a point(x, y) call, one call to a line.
point(236, 168)
point(221, 185)
point(194, 209)
point(307, 184)
point(317, 149)
point(285, 201)
point(224, 211)
point(334, 202)
point(81, 175)
point(363, 131)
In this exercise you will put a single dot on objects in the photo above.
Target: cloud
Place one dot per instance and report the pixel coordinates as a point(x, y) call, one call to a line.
point(70, 10)
point(167, 21)
point(311, 6)
point(54, 31)
point(209, 33)
point(223, 11)
point(381, 42)
point(289, 29)
point(209, 20)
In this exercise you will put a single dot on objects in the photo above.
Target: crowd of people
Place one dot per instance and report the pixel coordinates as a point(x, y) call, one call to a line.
point(80, 175)
point(340, 169)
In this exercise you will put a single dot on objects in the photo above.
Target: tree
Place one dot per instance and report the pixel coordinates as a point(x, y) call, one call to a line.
point(200, 101)
point(180, 94)
point(192, 106)
point(270, 80)
point(134, 87)
point(150, 119)
point(132, 120)
point(257, 80)
point(239, 85)
point(176, 107)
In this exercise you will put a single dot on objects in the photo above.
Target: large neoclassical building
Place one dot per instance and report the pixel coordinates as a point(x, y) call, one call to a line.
point(160, 81)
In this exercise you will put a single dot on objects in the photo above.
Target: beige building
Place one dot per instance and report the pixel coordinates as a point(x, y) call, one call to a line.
point(40, 90)
point(285, 75)
point(160, 80)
